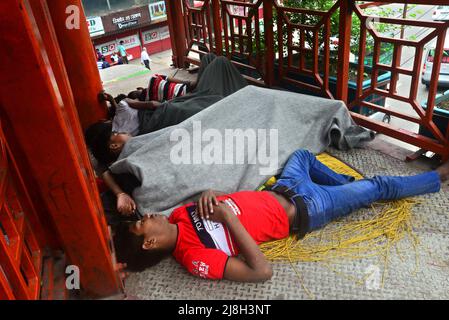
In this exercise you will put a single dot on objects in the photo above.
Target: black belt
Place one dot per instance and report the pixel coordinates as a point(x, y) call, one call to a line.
point(301, 221)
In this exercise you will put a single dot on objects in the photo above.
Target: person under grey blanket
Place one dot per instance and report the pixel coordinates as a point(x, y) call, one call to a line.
point(217, 78)
point(207, 236)
point(279, 122)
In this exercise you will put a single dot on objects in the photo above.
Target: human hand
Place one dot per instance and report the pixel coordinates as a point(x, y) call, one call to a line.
point(206, 203)
point(221, 213)
point(125, 204)
point(120, 268)
point(103, 96)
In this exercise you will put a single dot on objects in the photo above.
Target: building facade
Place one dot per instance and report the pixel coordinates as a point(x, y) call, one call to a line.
point(139, 23)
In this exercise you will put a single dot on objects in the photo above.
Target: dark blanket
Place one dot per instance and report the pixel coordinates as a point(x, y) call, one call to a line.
point(218, 78)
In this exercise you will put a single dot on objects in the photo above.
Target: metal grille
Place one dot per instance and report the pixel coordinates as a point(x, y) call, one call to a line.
point(20, 253)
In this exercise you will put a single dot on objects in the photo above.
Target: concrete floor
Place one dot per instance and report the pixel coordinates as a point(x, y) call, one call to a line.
point(407, 276)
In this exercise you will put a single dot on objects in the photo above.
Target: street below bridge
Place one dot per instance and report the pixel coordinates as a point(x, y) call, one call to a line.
point(422, 12)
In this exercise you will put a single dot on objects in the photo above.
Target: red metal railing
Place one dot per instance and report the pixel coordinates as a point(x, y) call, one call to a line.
point(244, 38)
point(21, 254)
point(242, 33)
point(424, 117)
point(46, 142)
point(321, 79)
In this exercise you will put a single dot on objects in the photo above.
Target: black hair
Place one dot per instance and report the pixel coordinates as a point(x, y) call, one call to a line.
point(128, 249)
point(97, 138)
point(122, 42)
point(135, 95)
point(120, 97)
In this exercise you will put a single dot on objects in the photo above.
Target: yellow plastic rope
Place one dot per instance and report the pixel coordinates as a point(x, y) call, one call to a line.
point(349, 238)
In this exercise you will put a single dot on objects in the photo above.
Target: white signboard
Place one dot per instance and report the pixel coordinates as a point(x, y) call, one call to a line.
point(157, 10)
point(151, 36)
point(237, 10)
point(164, 32)
point(111, 47)
point(155, 35)
point(95, 25)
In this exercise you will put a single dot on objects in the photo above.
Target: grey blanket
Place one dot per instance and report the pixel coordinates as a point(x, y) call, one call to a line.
point(177, 163)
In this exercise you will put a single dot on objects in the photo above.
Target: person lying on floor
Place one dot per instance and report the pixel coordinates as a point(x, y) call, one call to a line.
point(206, 236)
point(217, 78)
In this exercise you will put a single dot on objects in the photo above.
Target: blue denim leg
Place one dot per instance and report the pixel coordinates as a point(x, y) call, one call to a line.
point(328, 203)
point(329, 195)
point(303, 165)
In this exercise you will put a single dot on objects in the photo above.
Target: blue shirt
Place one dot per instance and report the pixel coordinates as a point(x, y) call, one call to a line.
point(122, 50)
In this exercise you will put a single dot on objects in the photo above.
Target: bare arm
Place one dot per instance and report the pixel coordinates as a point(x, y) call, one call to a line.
point(143, 104)
point(125, 204)
point(256, 267)
point(110, 183)
point(103, 96)
point(190, 84)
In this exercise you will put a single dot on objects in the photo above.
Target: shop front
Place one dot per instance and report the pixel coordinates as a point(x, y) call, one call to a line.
point(144, 26)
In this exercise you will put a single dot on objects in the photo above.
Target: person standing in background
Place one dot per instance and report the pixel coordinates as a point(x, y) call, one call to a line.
point(145, 58)
point(100, 56)
point(123, 53)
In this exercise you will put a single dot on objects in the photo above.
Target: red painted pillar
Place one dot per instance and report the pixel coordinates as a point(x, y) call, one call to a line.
point(177, 31)
point(32, 111)
point(79, 58)
point(344, 49)
point(269, 42)
point(56, 60)
point(217, 27)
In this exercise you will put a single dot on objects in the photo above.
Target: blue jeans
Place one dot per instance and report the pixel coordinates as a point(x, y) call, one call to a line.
point(329, 195)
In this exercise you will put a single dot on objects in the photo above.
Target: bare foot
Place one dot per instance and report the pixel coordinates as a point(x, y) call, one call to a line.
point(443, 171)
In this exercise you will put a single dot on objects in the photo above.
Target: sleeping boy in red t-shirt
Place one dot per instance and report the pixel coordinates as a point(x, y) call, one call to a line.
point(205, 237)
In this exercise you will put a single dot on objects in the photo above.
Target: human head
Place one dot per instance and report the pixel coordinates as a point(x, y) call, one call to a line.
point(103, 143)
point(122, 42)
point(143, 243)
point(120, 97)
point(136, 94)
point(117, 141)
point(144, 49)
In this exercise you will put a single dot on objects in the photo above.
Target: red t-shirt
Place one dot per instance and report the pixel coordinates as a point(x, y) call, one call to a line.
point(203, 246)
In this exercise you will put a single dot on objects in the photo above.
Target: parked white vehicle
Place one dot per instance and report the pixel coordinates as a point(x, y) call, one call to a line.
point(443, 79)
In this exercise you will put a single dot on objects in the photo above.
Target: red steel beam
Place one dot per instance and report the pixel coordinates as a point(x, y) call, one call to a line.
point(5, 289)
point(344, 50)
point(269, 42)
point(79, 59)
point(44, 137)
point(401, 134)
point(177, 31)
point(425, 2)
point(55, 59)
